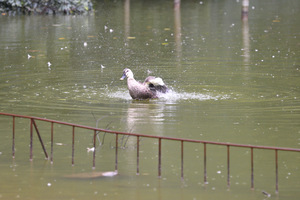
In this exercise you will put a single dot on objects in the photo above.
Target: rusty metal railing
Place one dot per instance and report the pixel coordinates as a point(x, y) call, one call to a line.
point(138, 136)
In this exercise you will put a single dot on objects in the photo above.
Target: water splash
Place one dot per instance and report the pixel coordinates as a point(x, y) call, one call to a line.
point(173, 96)
point(178, 96)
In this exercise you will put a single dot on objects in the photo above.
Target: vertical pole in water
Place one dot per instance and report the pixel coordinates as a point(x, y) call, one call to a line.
point(31, 134)
point(204, 159)
point(13, 138)
point(116, 163)
point(51, 156)
point(228, 166)
point(181, 159)
point(73, 144)
point(252, 170)
point(276, 170)
point(94, 152)
point(137, 155)
point(159, 157)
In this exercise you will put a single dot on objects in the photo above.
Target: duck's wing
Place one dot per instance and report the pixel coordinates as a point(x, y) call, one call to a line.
point(156, 84)
point(139, 90)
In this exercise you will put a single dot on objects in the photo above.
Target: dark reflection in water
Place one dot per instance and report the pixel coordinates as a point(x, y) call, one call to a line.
point(232, 80)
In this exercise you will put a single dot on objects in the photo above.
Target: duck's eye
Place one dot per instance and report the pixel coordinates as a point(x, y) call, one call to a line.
point(151, 85)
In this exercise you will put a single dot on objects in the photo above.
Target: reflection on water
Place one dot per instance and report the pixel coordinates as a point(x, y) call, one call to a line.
point(143, 114)
point(232, 80)
point(246, 34)
point(177, 31)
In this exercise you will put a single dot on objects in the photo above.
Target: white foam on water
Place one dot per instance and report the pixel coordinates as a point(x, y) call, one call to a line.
point(173, 96)
point(179, 96)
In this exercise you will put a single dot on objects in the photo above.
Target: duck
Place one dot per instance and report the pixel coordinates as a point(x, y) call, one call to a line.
point(149, 89)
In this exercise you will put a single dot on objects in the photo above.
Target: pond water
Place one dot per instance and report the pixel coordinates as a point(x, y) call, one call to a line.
point(231, 80)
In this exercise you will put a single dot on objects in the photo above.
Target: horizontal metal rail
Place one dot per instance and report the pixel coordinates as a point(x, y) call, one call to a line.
point(153, 136)
point(138, 136)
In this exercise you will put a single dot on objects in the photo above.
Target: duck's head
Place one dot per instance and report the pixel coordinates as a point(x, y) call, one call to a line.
point(126, 73)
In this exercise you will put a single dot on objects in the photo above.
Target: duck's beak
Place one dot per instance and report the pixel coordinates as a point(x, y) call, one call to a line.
point(123, 77)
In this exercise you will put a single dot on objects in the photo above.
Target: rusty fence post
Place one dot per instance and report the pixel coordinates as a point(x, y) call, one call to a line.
point(181, 159)
point(138, 155)
point(159, 157)
point(13, 138)
point(228, 166)
point(94, 152)
point(73, 144)
point(116, 162)
point(204, 163)
point(51, 154)
point(252, 170)
point(276, 169)
point(31, 142)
